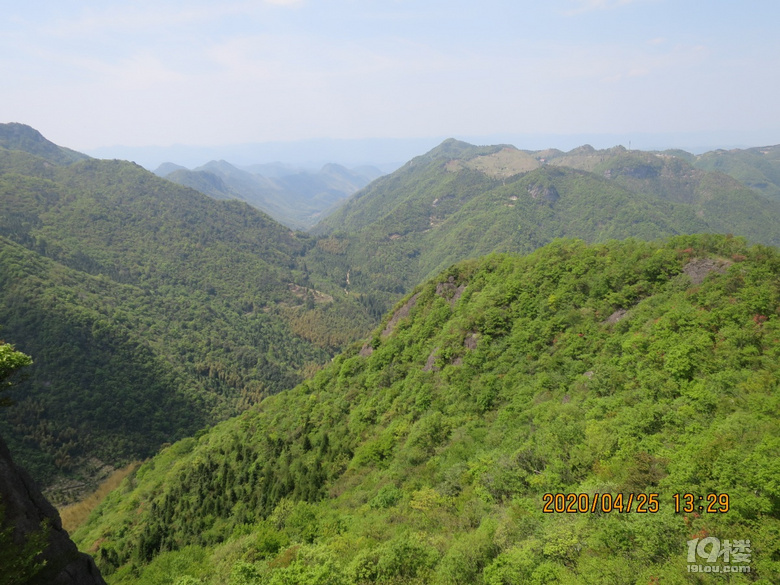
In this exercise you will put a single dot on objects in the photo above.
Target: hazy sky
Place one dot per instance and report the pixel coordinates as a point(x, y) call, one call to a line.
point(141, 72)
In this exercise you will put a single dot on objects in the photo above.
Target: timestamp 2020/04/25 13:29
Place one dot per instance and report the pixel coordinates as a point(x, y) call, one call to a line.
point(641, 503)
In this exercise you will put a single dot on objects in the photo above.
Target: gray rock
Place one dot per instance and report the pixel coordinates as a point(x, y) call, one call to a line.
point(25, 509)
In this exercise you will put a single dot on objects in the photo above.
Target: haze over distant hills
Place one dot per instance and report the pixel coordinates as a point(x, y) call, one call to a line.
point(386, 154)
point(296, 197)
point(390, 153)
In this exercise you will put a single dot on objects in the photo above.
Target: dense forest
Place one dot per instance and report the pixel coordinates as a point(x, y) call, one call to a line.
point(151, 310)
point(758, 168)
point(335, 421)
point(424, 454)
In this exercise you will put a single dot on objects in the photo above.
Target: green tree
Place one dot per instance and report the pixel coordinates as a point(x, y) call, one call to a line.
point(10, 361)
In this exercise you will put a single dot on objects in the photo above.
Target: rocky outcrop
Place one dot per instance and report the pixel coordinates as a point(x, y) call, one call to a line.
point(698, 268)
point(543, 193)
point(26, 509)
point(450, 291)
point(400, 314)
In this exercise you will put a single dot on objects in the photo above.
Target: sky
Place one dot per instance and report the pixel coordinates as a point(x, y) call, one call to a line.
point(141, 73)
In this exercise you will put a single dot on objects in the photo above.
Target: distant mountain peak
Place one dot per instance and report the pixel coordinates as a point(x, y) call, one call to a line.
point(584, 149)
point(453, 149)
point(330, 167)
point(167, 168)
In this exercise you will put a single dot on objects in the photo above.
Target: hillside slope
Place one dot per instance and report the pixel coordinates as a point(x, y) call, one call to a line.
point(725, 203)
point(150, 309)
point(758, 168)
point(425, 455)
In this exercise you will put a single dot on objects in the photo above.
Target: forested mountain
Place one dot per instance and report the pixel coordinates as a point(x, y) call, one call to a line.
point(758, 168)
point(681, 176)
point(461, 201)
point(294, 197)
point(431, 452)
point(151, 311)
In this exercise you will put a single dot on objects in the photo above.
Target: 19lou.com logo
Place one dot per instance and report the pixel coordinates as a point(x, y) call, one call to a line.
point(704, 554)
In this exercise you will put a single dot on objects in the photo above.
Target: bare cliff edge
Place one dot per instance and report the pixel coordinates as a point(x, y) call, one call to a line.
point(25, 509)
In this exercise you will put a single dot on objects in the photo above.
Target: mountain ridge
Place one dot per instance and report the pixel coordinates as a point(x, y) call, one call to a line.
point(16, 136)
point(437, 209)
point(580, 368)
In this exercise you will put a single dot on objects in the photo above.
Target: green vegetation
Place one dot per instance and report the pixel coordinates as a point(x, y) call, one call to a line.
point(441, 208)
point(758, 168)
point(398, 195)
point(23, 138)
point(10, 361)
point(423, 455)
point(152, 311)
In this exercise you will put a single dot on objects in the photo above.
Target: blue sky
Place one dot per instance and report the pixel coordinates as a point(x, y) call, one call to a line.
point(90, 74)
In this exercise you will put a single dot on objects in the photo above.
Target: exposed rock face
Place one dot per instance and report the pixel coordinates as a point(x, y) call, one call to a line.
point(471, 341)
point(25, 509)
point(450, 291)
point(698, 268)
point(543, 193)
point(616, 316)
point(430, 365)
point(400, 314)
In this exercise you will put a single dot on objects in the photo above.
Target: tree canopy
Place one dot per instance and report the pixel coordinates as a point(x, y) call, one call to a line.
point(10, 361)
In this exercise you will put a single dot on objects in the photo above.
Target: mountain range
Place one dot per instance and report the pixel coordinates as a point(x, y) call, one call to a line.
point(460, 201)
point(413, 445)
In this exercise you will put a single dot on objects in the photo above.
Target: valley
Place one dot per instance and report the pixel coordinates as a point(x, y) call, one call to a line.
point(295, 197)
